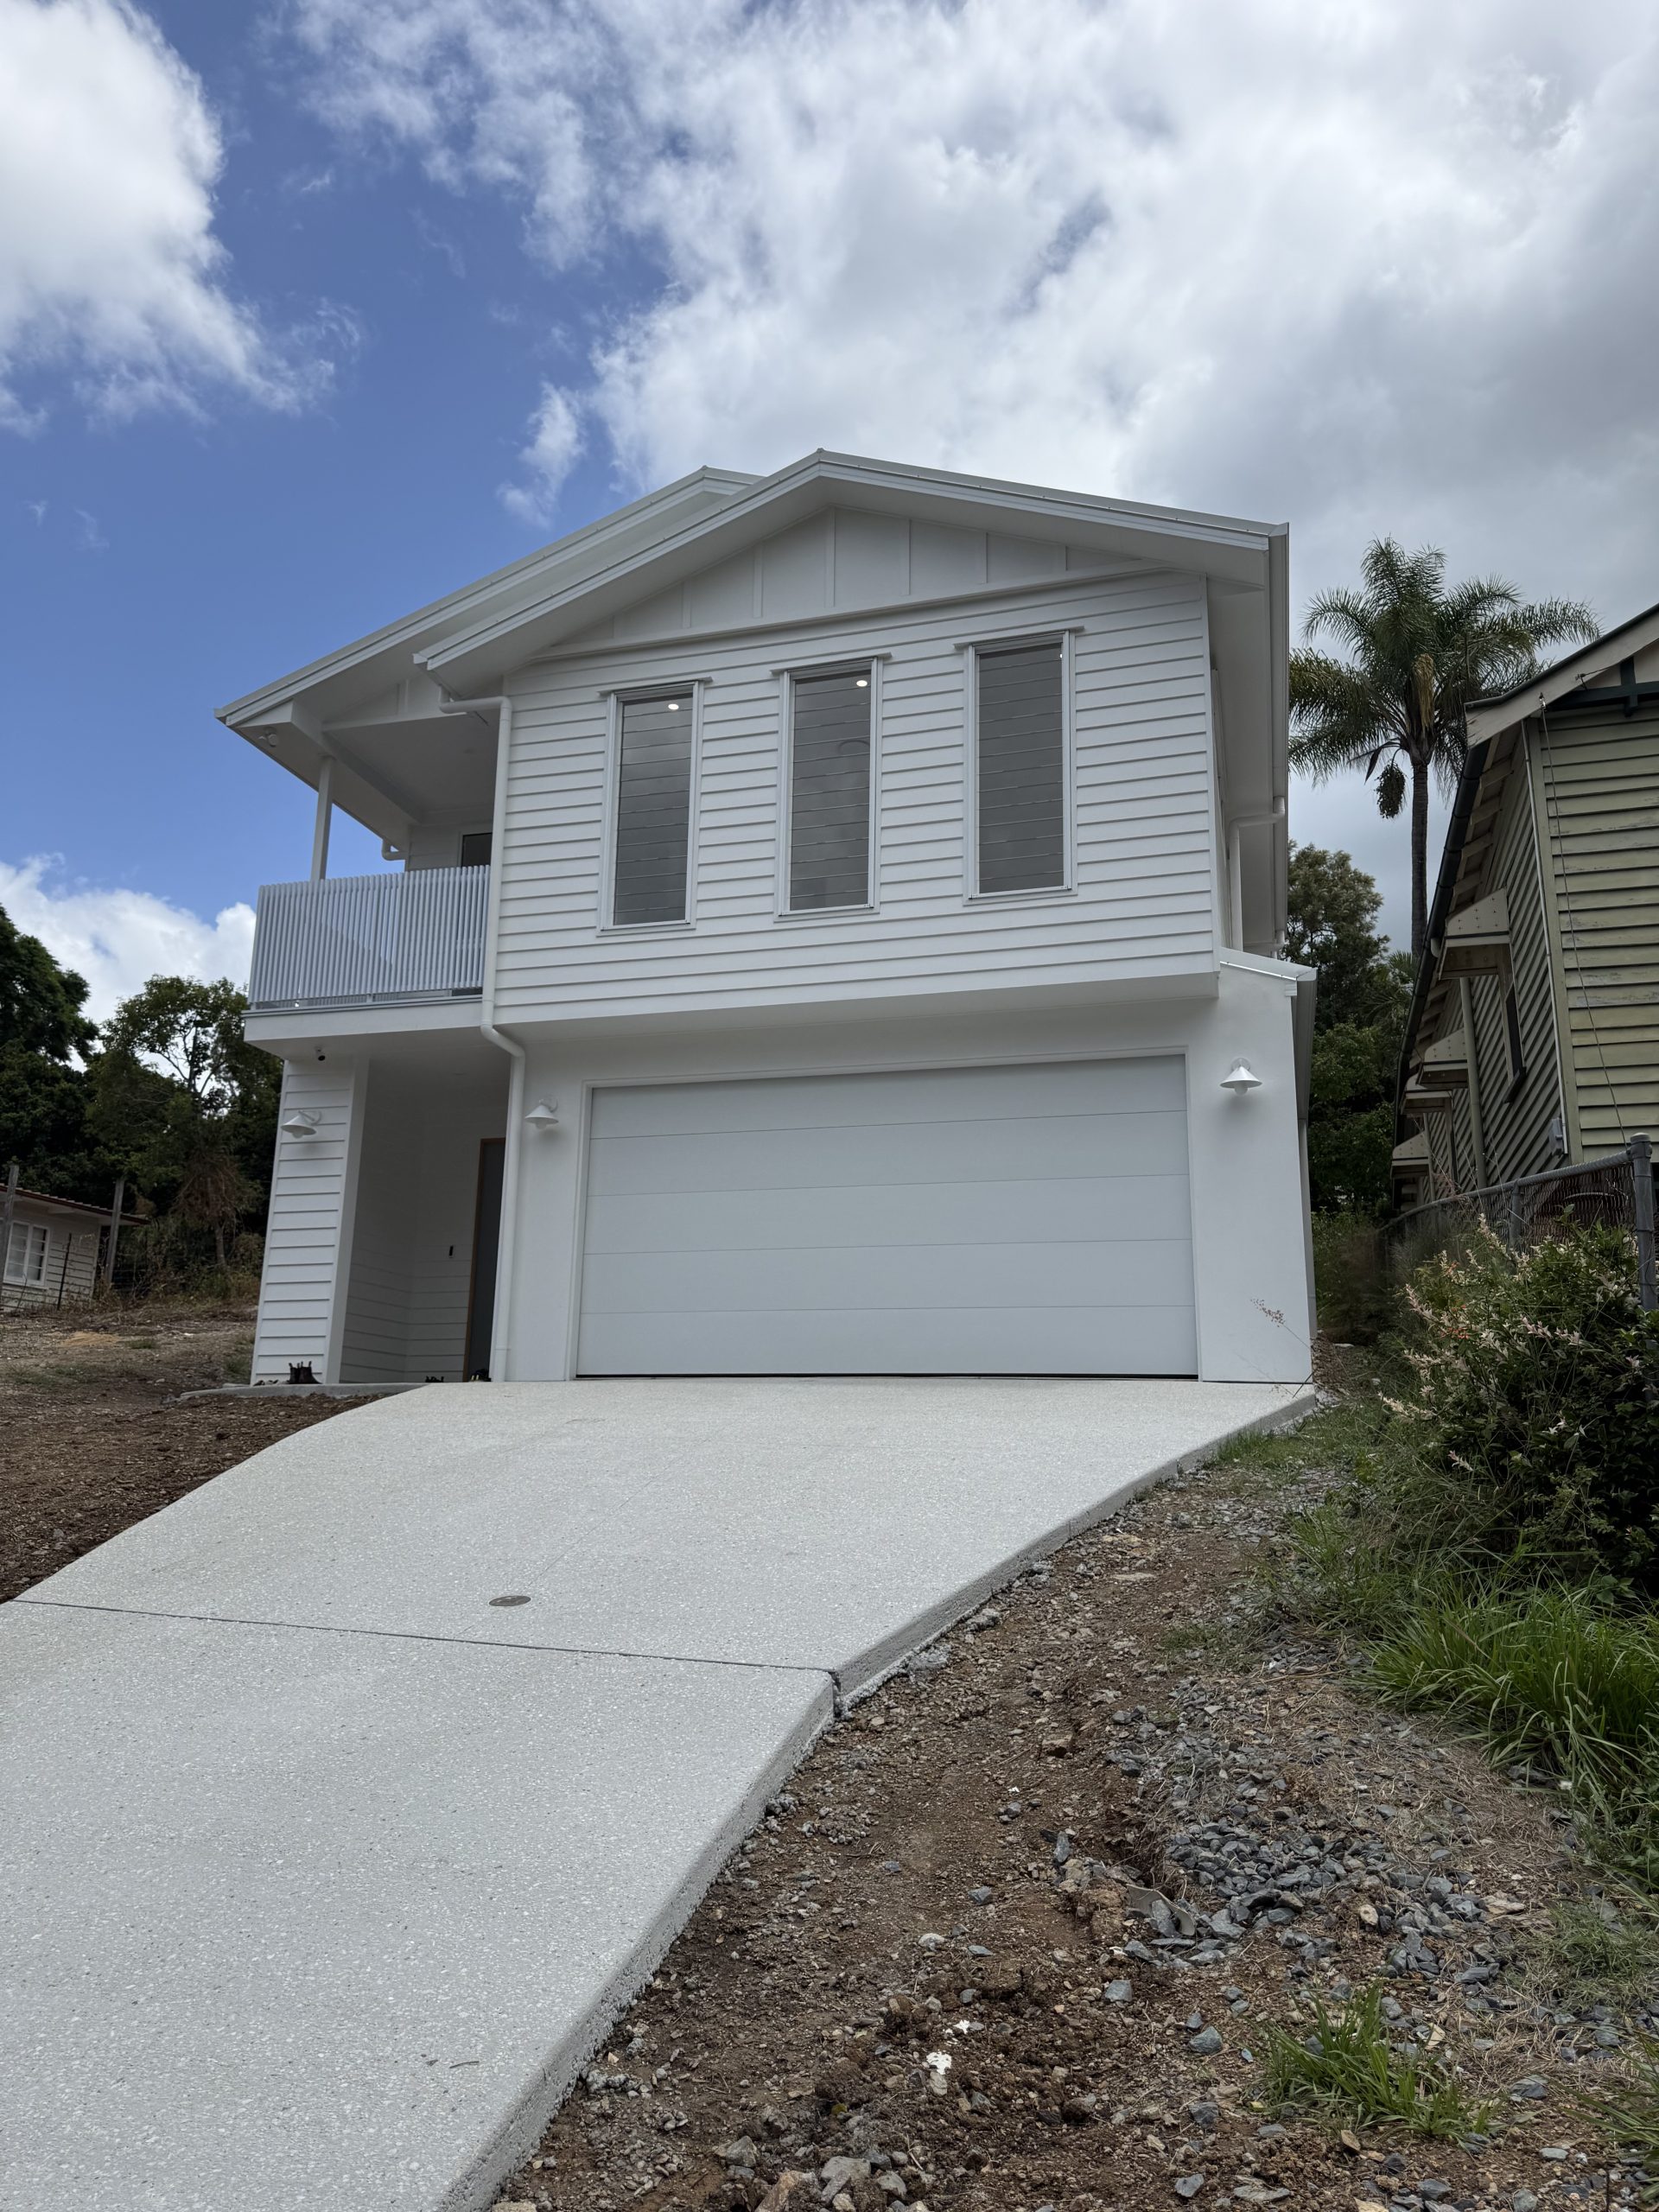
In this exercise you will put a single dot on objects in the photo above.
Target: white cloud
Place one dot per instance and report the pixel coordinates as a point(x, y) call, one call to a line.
point(109, 156)
point(1381, 267)
point(555, 442)
point(118, 939)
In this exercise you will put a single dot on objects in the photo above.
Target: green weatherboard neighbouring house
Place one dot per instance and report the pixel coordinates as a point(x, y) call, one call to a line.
point(1534, 1033)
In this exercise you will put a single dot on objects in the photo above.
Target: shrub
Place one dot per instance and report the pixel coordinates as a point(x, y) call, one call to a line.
point(1357, 1297)
point(1529, 1433)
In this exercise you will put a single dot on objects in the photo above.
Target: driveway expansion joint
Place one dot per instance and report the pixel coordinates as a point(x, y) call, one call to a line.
point(419, 1636)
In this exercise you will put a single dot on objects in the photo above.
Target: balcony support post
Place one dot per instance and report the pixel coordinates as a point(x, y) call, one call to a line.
point(324, 817)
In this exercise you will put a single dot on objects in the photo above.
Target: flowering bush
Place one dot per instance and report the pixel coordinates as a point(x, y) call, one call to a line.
point(1527, 1434)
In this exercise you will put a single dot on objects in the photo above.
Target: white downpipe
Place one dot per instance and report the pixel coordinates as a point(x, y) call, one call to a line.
point(501, 1335)
point(325, 818)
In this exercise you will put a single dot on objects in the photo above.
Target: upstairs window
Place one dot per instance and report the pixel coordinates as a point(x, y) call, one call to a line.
point(475, 847)
point(653, 810)
point(1020, 768)
point(829, 791)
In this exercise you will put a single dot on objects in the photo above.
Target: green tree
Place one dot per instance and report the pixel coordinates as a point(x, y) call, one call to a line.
point(44, 1092)
point(1364, 992)
point(1417, 650)
point(189, 1106)
point(39, 1002)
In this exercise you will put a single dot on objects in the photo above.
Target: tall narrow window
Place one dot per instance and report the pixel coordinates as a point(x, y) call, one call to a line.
point(830, 791)
point(653, 810)
point(1021, 787)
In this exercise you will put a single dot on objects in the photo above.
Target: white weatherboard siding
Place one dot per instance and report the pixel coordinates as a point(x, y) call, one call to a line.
point(309, 1232)
point(1145, 873)
point(1019, 1220)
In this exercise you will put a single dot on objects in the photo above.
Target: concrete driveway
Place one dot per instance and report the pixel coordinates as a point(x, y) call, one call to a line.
point(327, 1869)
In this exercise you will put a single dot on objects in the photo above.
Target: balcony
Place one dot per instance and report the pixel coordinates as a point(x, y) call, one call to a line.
point(370, 940)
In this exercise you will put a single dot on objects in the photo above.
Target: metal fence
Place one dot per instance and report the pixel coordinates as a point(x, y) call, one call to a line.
point(1613, 1191)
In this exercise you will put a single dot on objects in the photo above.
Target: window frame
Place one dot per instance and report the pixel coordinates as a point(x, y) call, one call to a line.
point(1065, 636)
point(691, 688)
point(843, 664)
point(25, 1232)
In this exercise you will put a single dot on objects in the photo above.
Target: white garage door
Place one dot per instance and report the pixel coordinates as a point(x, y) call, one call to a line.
point(1020, 1220)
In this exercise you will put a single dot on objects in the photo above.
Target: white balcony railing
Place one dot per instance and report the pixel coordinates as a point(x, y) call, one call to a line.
point(367, 940)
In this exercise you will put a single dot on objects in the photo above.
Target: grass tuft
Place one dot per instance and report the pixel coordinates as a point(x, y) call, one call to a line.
point(1595, 1955)
point(1628, 2108)
point(1557, 1682)
point(1346, 2070)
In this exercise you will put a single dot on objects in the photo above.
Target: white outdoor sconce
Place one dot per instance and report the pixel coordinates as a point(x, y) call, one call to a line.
point(298, 1123)
point(1241, 1079)
point(543, 1115)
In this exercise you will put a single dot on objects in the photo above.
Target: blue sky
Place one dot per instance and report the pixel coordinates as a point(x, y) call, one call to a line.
point(312, 312)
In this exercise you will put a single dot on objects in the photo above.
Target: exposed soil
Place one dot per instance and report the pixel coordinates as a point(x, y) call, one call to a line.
point(91, 1437)
point(973, 1954)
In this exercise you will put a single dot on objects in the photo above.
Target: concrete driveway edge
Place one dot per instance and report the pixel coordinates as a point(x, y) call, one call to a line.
point(525, 2121)
point(884, 1659)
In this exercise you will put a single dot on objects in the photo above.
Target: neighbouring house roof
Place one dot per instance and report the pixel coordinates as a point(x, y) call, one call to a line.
point(1589, 669)
point(43, 1202)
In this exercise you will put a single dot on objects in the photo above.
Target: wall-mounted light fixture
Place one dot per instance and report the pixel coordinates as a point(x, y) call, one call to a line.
point(542, 1116)
point(1241, 1079)
point(296, 1123)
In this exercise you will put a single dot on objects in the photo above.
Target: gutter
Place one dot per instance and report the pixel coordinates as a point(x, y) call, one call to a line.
point(501, 1331)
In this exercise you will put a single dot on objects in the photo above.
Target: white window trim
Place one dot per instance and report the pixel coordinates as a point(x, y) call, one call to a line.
point(605, 925)
point(782, 910)
point(970, 650)
point(22, 1235)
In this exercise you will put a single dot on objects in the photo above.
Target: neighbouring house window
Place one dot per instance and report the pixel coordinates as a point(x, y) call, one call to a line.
point(829, 791)
point(653, 810)
point(1019, 792)
point(475, 847)
point(26, 1256)
point(1512, 1036)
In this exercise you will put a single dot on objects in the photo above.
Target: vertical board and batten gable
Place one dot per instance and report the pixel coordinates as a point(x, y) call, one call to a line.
point(1596, 778)
point(1517, 1127)
point(1144, 864)
point(842, 558)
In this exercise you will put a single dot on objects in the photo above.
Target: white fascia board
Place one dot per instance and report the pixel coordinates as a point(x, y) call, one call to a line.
point(1169, 537)
point(255, 706)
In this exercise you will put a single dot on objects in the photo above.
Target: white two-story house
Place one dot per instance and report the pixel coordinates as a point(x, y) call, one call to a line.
point(836, 933)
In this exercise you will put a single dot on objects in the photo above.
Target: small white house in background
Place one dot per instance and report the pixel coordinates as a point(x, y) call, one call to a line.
point(836, 933)
point(52, 1255)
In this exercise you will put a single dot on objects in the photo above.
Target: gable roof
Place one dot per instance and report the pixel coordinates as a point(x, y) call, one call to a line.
point(1578, 672)
point(467, 640)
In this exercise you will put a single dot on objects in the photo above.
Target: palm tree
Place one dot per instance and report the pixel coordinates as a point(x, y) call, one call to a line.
point(1416, 655)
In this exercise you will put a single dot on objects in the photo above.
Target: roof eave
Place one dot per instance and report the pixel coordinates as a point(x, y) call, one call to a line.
point(245, 713)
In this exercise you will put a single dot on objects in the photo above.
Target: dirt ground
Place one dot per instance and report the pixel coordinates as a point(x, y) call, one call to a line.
point(971, 1959)
point(89, 1439)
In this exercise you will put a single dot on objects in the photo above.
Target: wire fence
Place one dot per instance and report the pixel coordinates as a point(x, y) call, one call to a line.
point(1615, 1192)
